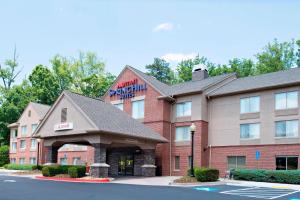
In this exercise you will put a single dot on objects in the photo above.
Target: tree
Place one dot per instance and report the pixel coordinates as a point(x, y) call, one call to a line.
point(242, 67)
point(275, 57)
point(9, 73)
point(298, 53)
point(161, 70)
point(44, 84)
point(4, 155)
point(13, 103)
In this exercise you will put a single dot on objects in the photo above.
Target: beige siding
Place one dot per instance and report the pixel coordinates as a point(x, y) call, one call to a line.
point(25, 120)
point(225, 119)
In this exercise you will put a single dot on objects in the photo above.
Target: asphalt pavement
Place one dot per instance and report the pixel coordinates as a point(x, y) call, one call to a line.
point(17, 188)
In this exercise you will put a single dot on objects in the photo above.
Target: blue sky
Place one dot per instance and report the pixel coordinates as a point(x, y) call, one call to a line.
point(134, 32)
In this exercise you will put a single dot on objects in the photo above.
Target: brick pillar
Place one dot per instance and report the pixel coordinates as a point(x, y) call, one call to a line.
point(99, 168)
point(149, 168)
point(51, 155)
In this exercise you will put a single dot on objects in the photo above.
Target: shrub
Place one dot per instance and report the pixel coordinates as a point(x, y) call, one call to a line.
point(20, 167)
point(273, 176)
point(206, 174)
point(4, 155)
point(63, 169)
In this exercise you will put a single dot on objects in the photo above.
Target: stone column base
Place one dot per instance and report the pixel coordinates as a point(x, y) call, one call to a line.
point(148, 170)
point(99, 170)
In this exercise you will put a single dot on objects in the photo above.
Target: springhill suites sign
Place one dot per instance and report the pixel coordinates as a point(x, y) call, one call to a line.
point(127, 90)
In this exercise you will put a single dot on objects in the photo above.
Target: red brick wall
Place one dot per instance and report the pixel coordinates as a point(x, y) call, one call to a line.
point(267, 160)
point(200, 144)
point(27, 153)
point(85, 156)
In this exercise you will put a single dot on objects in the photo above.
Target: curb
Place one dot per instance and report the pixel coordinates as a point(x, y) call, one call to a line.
point(72, 180)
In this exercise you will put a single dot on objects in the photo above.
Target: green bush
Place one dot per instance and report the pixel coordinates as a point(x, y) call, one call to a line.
point(20, 167)
point(63, 169)
point(273, 176)
point(4, 155)
point(206, 174)
point(72, 171)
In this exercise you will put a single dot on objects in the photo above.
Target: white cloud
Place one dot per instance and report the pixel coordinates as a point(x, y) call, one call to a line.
point(177, 57)
point(163, 27)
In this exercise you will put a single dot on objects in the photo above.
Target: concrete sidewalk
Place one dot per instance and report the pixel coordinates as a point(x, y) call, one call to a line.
point(154, 181)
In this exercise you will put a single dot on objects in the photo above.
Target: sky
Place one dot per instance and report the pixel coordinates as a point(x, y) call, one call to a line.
point(133, 32)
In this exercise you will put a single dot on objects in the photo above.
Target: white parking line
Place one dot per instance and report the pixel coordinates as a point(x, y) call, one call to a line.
point(259, 192)
point(9, 181)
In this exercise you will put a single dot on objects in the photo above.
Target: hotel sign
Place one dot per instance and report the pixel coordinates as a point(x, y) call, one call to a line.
point(127, 90)
point(63, 126)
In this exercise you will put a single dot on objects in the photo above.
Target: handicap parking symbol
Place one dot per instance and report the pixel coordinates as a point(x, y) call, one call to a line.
point(207, 189)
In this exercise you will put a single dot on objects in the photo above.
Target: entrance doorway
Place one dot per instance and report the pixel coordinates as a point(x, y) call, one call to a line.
point(125, 165)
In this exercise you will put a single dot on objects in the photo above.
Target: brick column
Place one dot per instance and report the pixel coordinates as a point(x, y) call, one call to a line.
point(51, 155)
point(99, 168)
point(149, 168)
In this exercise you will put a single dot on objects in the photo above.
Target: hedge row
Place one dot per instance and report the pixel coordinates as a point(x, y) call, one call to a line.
point(72, 170)
point(20, 167)
point(205, 174)
point(273, 176)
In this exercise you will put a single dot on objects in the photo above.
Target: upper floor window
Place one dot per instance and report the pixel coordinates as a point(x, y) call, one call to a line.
point(33, 144)
point(63, 116)
point(249, 104)
point(22, 144)
point(287, 128)
point(249, 131)
point(29, 113)
point(119, 105)
point(13, 146)
point(23, 130)
point(183, 109)
point(33, 127)
point(138, 109)
point(183, 134)
point(286, 100)
point(13, 133)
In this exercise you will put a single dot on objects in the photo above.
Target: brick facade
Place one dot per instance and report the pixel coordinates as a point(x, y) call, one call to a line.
point(267, 160)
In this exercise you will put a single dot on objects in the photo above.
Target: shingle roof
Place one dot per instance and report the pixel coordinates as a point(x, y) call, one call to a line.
point(265, 81)
point(181, 88)
point(110, 119)
point(41, 109)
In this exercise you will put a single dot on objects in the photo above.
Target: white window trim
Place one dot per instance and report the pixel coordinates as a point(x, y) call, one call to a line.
point(249, 100)
point(287, 137)
point(183, 102)
point(256, 138)
point(285, 92)
point(138, 98)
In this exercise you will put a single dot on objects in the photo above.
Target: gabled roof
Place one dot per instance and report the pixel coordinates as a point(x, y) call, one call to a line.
point(109, 119)
point(41, 109)
point(260, 82)
point(181, 88)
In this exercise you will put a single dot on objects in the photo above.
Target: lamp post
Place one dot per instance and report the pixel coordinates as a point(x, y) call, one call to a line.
point(38, 152)
point(193, 129)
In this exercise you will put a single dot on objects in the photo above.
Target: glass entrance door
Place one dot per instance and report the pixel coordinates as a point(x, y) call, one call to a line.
point(125, 163)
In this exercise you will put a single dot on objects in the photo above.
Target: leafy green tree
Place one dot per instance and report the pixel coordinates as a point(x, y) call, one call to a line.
point(12, 105)
point(44, 84)
point(9, 73)
point(4, 155)
point(242, 67)
point(298, 53)
point(161, 70)
point(275, 56)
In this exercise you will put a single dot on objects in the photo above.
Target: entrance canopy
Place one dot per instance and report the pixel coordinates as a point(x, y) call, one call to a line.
point(74, 114)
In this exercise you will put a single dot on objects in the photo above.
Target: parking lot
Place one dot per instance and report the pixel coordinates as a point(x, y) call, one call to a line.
point(17, 188)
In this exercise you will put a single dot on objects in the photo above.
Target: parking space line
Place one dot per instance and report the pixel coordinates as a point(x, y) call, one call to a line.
point(260, 192)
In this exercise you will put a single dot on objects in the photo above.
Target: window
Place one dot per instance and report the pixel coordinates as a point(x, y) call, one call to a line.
point(23, 130)
point(119, 105)
point(286, 162)
point(63, 116)
point(286, 100)
point(138, 109)
point(21, 161)
point(64, 161)
point(33, 127)
point(13, 133)
point(236, 162)
point(32, 161)
point(29, 113)
point(22, 144)
point(76, 161)
point(13, 160)
point(249, 131)
point(13, 146)
point(183, 109)
point(177, 162)
point(190, 161)
point(33, 144)
point(287, 128)
point(249, 104)
point(183, 134)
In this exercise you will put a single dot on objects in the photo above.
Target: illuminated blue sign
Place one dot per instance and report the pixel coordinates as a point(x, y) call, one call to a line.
point(128, 91)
